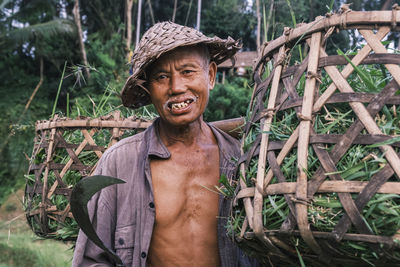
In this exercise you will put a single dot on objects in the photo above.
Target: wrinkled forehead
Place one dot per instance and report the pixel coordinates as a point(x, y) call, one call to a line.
point(194, 54)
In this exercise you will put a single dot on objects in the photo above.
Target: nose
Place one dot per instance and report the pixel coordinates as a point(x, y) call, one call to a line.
point(177, 84)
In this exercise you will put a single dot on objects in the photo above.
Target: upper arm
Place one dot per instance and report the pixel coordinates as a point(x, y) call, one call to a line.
point(108, 209)
point(102, 217)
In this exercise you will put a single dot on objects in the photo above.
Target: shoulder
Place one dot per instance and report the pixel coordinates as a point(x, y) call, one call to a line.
point(125, 144)
point(227, 144)
point(124, 147)
point(125, 152)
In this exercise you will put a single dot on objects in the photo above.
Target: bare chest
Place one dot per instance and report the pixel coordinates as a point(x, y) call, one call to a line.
point(186, 207)
point(184, 186)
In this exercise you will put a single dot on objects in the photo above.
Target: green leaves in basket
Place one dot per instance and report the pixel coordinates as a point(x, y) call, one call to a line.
point(302, 264)
point(226, 189)
point(364, 75)
point(387, 142)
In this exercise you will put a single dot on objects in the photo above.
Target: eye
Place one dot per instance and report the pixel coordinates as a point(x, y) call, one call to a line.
point(187, 72)
point(161, 77)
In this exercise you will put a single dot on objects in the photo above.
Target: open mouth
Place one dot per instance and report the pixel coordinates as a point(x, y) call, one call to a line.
point(175, 106)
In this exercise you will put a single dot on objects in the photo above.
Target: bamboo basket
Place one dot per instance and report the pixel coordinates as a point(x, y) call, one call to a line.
point(291, 157)
point(66, 150)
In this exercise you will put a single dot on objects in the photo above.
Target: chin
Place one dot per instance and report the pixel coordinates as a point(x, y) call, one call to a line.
point(180, 121)
point(183, 119)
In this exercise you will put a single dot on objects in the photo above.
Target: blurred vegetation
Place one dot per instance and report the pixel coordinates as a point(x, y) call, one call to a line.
point(44, 31)
point(24, 249)
point(228, 100)
point(18, 244)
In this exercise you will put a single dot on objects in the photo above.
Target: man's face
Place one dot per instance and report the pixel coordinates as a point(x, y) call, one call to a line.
point(179, 84)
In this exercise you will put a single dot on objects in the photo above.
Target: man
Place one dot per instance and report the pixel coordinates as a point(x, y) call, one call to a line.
point(166, 214)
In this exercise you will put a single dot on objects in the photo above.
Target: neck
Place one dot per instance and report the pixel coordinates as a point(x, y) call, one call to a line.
point(186, 135)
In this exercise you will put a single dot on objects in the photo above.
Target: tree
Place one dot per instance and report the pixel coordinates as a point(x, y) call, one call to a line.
point(217, 20)
point(29, 56)
point(128, 15)
point(198, 15)
point(258, 25)
point(174, 13)
point(228, 100)
point(139, 17)
point(77, 18)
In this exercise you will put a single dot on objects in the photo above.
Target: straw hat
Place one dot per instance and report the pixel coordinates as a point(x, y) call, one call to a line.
point(161, 38)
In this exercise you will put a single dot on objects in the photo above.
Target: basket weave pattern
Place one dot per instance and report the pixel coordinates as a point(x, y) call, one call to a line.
point(65, 151)
point(281, 93)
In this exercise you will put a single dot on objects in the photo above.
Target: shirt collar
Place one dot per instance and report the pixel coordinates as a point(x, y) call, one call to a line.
point(155, 146)
point(228, 146)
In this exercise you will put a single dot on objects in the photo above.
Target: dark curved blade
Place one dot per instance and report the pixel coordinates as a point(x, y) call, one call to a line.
point(80, 196)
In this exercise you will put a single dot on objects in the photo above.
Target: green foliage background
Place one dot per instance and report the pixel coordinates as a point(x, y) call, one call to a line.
point(228, 100)
point(31, 31)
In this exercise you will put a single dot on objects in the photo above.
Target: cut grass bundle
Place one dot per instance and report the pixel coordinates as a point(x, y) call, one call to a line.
point(318, 180)
point(65, 151)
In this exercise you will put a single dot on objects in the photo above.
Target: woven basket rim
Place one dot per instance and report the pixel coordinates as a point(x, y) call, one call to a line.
point(88, 122)
point(341, 21)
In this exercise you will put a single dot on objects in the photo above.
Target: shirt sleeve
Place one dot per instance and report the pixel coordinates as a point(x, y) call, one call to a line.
point(246, 261)
point(102, 215)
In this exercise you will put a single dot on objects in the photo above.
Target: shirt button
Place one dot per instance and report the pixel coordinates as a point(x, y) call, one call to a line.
point(143, 255)
point(121, 241)
point(151, 205)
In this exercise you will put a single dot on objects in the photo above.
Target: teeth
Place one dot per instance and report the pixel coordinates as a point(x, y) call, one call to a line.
point(180, 105)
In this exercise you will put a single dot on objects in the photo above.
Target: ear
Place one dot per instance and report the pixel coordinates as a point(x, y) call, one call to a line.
point(212, 73)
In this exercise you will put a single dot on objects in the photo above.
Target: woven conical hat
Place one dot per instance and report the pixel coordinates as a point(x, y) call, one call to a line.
point(159, 39)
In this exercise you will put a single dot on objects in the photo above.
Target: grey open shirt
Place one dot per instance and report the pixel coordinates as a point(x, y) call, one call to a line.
point(123, 215)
